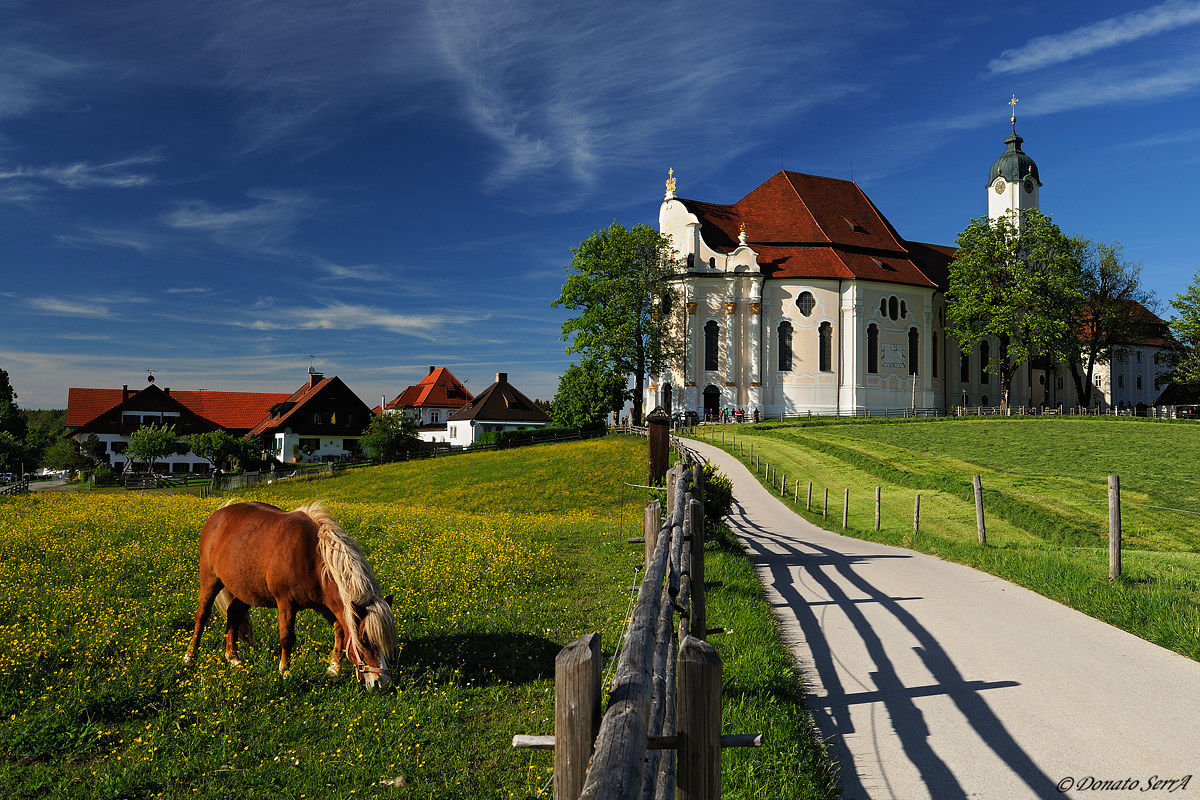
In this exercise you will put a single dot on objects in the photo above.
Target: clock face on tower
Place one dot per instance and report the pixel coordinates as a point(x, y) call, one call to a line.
point(1028, 186)
point(1000, 186)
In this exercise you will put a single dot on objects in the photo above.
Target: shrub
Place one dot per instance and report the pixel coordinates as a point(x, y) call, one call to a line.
point(103, 476)
point(718, 492)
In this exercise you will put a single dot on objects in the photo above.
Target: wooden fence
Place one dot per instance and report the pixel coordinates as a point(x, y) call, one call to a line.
point(20, 487)
point(661, 734)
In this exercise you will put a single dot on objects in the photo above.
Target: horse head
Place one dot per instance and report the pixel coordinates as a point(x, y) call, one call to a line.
point(373, 643)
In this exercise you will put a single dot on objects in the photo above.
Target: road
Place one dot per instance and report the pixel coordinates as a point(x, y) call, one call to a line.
point(929, 679)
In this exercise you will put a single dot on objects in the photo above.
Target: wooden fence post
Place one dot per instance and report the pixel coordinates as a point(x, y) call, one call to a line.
point(845, 508)
point(979, 510)
point(808, 502)
point(699, 728)
point(651, 521)
point(797, 499)
point(783, 485)
point(878, 490)
point(1114, 526)
point(917, 514)
point(825, 508)
point(698, 620)
point(658, 425)
point(576, 713)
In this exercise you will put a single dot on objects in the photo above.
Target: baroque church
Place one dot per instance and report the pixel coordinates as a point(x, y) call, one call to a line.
point(802, 297)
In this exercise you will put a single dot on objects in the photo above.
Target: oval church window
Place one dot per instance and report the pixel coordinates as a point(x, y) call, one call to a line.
point(806, 303)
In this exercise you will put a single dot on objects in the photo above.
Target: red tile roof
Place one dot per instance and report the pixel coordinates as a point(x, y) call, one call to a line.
point(298, 398)
point(438, 389)
point(807, 226)
point(234, 410)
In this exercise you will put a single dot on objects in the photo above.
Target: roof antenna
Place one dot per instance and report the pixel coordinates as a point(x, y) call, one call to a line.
point(150, 375)
point(312, 370)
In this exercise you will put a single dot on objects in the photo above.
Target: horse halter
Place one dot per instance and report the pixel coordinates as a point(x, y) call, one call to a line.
point(361, 668)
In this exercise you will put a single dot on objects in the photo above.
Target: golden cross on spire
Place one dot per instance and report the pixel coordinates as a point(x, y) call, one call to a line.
point(671, 179)
point(1013, 103)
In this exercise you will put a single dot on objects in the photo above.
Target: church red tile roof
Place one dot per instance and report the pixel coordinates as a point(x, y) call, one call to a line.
point(233, 410)
point(807, 226)
point(438, 389)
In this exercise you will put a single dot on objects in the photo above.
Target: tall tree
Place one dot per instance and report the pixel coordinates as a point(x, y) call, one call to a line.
point(618, 283)
point(587, 392)
point(389, 436)
point(1185, 326)
point(1015, 279)
point(12, 421)
point(221, 447)
point(1111, 291)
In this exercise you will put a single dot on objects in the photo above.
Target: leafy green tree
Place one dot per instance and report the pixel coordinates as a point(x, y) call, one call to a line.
point(44, 427)
point(618, 283)
point(587, 392)
point(1016, 280)
point(1185, 326)
point(66, 454)
point(151, 442)
point(12, 453)
point(389, 436)
point(12, 421)
point(1110, 290)
point(220, 448)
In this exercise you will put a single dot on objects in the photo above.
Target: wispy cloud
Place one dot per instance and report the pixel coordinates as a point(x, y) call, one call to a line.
point(1044, 51)
point(1173, 137)
point(30, 77)
point(138, 239)
point(269, 220)
point(347, 316)
point(28, 184)
point(70, 308)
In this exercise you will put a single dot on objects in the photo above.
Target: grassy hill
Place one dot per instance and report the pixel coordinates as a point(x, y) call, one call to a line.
point(1045, 484)
point(496, 560)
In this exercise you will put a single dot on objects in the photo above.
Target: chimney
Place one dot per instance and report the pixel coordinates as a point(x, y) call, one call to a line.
point(501, 377)
point(431, 369)
point(314, 378)
point(167, 391)
point(124, 392)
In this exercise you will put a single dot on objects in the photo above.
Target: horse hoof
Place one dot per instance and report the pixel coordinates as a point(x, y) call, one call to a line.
point(333, 672)
point(233, 662)
point(187, 659)
point(285, 674)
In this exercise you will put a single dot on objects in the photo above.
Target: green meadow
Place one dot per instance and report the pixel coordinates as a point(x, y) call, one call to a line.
point(1045, 496)
point(496, 560)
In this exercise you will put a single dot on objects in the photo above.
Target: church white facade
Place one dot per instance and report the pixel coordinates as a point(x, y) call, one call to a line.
point(802, 297)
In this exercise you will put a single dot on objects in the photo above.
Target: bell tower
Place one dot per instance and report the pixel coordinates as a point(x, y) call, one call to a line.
point(1013, 183)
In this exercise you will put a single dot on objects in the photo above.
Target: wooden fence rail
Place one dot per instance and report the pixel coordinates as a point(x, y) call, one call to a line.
point(660, 736)
point(20, 487)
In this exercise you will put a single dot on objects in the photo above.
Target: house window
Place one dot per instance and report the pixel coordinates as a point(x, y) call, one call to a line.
point(785, 347)
point(130, 419)
point(826, 347)
point(1099, 382)
point(914, 341)
point(317, 419)
point(873, 349)
point(712, 332)
point(964, 368)
point(806, 303)
point(119, 447)
point(935, 354)
point(985, 355)
point(435, 416)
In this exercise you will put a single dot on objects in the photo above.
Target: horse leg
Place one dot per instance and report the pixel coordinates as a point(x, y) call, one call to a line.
point(339, 643)
point(235, 617)
point(287, 635)
point(210, 587)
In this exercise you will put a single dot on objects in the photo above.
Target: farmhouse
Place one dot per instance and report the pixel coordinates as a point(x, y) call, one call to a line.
point(322, 419)
point(430, 403)
point(113, 414)
point(499, 407)
point(801, 296)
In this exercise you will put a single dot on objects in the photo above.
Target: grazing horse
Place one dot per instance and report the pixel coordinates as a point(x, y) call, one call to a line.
point(254, 555)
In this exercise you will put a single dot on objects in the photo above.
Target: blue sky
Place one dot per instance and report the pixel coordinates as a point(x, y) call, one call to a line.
point(218, 190)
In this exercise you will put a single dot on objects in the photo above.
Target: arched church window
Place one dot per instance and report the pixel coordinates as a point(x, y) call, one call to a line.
point(893, 308)
point(883, 306)
point(1139, 381)
point(934, 342)
point(914, 341)
point(1120, 381)
point(964, 368)
point(785, 347)
point(903, 310)
point(985, 355)
point(712, 334)
point(873, 349)
point(805, 303)
point(826, 347)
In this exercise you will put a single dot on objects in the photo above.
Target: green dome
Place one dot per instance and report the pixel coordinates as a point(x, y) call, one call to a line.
point(1013, 164)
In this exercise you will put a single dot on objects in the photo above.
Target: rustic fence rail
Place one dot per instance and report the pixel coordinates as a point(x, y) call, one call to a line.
point(20, 487)
point(660, 736)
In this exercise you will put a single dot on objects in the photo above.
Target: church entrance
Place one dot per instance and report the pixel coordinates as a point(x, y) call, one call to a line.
point(712, 402)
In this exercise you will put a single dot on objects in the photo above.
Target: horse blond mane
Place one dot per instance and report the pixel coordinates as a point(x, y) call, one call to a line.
point(343, 563)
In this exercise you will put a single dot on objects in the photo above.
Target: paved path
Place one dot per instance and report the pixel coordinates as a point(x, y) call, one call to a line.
point(932, 680)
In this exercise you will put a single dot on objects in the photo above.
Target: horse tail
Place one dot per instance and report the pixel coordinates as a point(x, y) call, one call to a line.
point(245, 630)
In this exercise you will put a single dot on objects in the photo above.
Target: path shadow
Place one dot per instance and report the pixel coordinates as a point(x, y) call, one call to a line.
point(832, 573)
